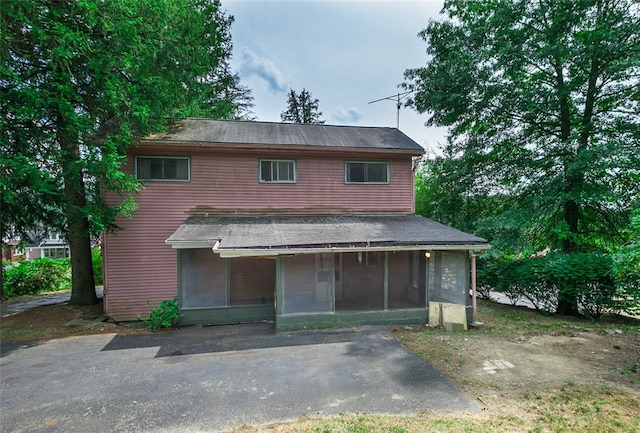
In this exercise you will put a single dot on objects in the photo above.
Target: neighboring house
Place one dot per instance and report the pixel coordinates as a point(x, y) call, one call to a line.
point(50, 244)
point(307, 225)
point(11, 250)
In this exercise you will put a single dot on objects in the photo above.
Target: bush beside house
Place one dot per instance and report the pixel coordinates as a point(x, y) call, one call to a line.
point(544, 280)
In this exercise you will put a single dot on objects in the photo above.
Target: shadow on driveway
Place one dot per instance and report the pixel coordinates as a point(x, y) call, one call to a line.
point(194, 340)
point(216, 378)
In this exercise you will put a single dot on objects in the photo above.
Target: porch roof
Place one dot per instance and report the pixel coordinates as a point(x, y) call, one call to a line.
point(287, 234)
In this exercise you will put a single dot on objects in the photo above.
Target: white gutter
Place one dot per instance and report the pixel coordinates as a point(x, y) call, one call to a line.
point(244, 252)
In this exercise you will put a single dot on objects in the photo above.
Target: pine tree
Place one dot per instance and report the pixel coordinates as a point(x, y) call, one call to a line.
point(301, 108)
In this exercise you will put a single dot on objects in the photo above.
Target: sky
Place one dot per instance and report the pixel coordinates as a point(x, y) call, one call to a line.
point(345, 53)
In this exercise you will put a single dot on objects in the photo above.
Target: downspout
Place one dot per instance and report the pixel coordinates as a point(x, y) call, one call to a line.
point(473, 285)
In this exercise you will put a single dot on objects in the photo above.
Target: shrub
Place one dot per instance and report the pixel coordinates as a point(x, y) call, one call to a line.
point(626, 269)
point(506, 282)
point(588, 277)
point(486, 275)
point(536, 282)
point(166, 315)
point(37, 276)
point(96, 260)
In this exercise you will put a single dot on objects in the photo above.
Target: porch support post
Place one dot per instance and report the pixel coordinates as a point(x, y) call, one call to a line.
point(278, 298)
point(473, 285)
point(386, 280)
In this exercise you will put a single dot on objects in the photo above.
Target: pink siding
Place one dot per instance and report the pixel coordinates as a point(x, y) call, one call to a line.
point(139, 266)
point(222, 182)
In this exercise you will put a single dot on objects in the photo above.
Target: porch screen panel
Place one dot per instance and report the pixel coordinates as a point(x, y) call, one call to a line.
point(451, 278)
point(363, 282)
point(406, 285)
point(301, 293)
point(252, 281)
point(204, 279)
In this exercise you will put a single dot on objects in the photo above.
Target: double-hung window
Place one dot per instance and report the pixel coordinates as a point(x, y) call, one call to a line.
point(277, 171)
point(366, 172)
point(176, 168)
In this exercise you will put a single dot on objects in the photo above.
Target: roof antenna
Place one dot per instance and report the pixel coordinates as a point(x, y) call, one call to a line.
point(398, 97)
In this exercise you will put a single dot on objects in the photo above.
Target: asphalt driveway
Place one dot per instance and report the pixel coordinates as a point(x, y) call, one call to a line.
point(210, 379)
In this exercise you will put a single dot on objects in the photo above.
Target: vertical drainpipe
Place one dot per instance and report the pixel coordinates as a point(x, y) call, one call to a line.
point(427, 260)
point(473, 285)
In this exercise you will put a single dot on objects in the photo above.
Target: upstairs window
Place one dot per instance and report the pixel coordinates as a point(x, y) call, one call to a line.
point(366, 172)
point(277, 171)
point(162, 168)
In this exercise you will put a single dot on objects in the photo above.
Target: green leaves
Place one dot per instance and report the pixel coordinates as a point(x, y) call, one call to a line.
point(585, 278)
point(541, 99)
point(80, 80)
point(166, 315)
point(85, 78)
point(37, 276)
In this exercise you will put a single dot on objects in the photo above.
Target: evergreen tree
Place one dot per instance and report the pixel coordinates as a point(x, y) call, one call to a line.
point(79, 80)
point(301, 108)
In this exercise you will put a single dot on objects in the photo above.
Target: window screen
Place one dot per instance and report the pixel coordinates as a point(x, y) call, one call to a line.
point(451, 282)
point(204, 279)
point(366, 172)
point(406, 280)
point(307, 284)
point(277, 170)
point(162, 168)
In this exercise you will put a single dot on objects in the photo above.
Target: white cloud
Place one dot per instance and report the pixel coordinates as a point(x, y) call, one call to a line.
point(263, 68)
point(347, 116)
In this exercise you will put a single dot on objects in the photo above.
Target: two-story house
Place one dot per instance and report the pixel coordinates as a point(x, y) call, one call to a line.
point(43, 243)
point(307, 225)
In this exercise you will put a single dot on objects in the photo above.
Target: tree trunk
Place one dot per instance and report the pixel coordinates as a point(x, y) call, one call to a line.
point(567, 300)
point(83, 290)
point(568, 304)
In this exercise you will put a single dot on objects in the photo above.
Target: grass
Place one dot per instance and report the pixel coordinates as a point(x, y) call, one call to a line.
point(570, 409)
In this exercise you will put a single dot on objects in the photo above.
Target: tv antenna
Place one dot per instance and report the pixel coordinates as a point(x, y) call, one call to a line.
point(397, 97)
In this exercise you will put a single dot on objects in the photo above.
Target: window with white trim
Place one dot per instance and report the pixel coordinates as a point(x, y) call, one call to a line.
point(277, 171)
point(169, 168)
point(366, 172)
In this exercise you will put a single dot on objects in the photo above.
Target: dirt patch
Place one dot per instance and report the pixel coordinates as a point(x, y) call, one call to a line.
point(60, 321)
point(520, 355)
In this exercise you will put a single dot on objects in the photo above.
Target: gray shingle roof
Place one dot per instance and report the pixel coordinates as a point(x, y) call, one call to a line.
point(319, 231)
point(288, 134)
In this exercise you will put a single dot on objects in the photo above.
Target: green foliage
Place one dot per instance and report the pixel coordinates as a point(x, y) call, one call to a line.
point(545, 280)
point(96, 259)
point(541, 101)
point(80, 80)
point(166, 315)
point(626, 267)
point(37, 276)
point(455, 198)
point(301, 108)
point(587, 278)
